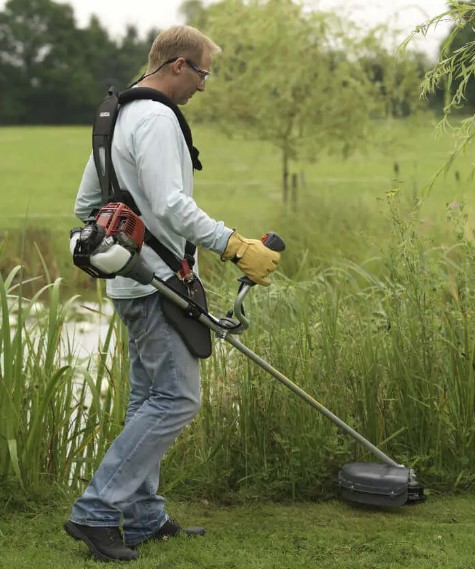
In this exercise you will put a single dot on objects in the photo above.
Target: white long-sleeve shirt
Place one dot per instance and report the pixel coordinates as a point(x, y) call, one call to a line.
point(153, 163)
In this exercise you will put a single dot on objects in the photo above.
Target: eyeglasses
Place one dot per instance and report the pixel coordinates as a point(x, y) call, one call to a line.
point(201, 72)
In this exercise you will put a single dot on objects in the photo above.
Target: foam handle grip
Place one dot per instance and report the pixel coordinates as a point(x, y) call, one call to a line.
point(274, 242)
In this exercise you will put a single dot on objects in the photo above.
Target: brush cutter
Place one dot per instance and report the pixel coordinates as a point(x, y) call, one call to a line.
point(109, 245)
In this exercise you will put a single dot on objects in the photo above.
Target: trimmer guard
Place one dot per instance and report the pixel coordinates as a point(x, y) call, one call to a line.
point(375, 484)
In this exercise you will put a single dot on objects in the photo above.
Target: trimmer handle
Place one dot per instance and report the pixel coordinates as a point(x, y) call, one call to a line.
point(274, 242)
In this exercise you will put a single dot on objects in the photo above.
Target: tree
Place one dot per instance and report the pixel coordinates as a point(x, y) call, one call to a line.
point(450, 81)
point(397, 74)
point(454, 70)
point(285, 76)
point(194, 13)
point(460, 35)
point(28, 30)
point(52, 72)
point(132, 54)
point(42, 54)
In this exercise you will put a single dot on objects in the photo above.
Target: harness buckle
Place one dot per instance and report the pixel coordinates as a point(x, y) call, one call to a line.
point(184, 273)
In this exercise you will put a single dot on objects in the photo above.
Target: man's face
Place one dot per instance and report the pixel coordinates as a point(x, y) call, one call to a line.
point(193, 77)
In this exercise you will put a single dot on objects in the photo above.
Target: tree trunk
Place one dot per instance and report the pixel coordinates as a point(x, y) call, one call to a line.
point(294, 191)
point(285, 176)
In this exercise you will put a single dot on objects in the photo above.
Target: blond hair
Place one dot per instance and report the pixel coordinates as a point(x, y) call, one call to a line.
point(179, 41)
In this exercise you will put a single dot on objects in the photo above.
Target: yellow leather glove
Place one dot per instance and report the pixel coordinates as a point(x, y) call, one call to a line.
point(254, 259)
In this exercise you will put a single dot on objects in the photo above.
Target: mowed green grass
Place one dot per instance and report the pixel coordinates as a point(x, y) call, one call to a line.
point(41, 168)
point(437, 534)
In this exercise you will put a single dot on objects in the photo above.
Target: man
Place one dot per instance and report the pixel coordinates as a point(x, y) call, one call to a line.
point(153, 162)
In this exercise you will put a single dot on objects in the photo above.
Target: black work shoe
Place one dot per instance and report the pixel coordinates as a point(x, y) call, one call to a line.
point(172, 528)
point(105, 543)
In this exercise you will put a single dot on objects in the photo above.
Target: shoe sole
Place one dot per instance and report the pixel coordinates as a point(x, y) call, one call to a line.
point(77, 534)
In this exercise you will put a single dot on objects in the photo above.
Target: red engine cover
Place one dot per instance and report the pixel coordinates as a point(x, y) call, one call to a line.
point(116, 218)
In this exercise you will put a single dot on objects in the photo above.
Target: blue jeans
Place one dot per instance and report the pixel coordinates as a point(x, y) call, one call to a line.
point(164, 398)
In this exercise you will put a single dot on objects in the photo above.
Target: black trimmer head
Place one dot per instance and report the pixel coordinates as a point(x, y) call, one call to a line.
point(379, 484)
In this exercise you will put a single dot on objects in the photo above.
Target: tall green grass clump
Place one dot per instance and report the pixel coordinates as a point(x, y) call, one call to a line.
point(57, 413)
point(387, 345)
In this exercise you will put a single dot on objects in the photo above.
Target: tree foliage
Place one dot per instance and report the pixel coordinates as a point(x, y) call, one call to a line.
point(454, 71)
point(297, 79)
point(450, 81)
point(455, 66)
point(397, 74)
point(53, 72)
point(194, 13)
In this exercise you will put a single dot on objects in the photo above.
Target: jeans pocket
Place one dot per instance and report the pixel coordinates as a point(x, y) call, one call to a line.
point(133, 312)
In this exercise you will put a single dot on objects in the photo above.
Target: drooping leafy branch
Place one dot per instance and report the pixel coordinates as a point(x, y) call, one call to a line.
point(453, 72)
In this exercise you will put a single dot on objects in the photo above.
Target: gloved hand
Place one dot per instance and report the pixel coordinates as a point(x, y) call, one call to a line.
point(254, 259)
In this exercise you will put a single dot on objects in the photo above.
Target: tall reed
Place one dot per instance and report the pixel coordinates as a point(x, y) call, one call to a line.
point(389, 349)
point(55, 421)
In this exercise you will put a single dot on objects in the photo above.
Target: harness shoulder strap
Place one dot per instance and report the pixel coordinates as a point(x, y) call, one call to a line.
point(137, 93)
point(102, 134)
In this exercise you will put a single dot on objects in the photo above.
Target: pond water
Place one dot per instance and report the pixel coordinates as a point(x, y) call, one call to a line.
point(88, 331)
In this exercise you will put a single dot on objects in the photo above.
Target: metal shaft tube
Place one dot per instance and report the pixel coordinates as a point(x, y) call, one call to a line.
point(310, 400)
point(232, 339)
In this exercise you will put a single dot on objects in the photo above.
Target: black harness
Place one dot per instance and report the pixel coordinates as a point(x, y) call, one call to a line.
point(102, 134)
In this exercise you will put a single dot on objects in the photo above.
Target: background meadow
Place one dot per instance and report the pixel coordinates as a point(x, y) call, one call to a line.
point(342, 204)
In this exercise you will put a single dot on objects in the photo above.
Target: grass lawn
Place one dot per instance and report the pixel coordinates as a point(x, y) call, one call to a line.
point(240, 183)
point(437, 534)
point(344, 202)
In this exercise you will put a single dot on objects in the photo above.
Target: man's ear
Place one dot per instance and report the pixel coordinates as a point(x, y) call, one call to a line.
point(179, 64)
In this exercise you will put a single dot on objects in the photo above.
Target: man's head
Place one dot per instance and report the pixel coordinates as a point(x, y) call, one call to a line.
point(179, 62)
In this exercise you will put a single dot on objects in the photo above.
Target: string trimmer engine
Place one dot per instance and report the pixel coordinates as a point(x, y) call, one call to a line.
point(110, 242)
